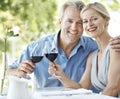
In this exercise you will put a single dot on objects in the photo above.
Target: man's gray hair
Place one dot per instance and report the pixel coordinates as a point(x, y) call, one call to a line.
point(71, 3)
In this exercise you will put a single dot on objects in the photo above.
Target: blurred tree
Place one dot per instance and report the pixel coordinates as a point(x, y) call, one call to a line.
point(114, 5)
point(36, 15)
point(33, 17)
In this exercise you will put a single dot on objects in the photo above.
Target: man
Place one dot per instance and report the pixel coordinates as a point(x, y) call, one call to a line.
point(73, 49)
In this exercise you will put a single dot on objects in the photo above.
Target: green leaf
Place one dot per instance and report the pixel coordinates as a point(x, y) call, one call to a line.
point(16, 35)
point(10, 33)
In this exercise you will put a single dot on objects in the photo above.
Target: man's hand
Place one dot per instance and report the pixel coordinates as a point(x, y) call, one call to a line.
point(115, 43)
point(26, 67)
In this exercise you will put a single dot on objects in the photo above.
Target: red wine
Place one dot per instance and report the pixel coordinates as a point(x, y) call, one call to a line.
point(51, 56)
point(36, 59)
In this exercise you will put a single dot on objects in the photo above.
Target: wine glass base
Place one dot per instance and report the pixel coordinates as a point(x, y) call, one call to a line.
point(27, 77)
point(54, 77)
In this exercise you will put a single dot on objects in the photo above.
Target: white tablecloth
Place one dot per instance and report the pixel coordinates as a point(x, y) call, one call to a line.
point(63, 93)
point(82, 96)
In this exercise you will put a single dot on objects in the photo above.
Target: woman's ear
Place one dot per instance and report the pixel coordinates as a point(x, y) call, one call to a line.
point(107, 21)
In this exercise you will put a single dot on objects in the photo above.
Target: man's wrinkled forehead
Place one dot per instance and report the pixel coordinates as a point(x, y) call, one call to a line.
point(72, 12)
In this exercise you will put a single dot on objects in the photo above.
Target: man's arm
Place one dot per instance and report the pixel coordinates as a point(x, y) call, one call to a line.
point(24, 68)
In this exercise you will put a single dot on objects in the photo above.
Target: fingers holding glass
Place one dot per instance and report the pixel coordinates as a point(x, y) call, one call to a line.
point(51, 70)
point(54, 71)
point(26, 67)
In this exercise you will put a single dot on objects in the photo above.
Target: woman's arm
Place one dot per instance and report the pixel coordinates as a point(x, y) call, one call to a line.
point(55, 68)
point(113, 86)
point(85, 81)
point(86, 78)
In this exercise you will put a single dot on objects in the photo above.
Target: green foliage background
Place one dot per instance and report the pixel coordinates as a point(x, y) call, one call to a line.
point(34, 17)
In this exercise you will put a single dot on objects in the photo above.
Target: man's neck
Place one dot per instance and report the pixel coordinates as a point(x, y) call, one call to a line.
point(67, 47)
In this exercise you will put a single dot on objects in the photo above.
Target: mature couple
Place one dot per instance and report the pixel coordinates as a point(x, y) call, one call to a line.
point(81, 62)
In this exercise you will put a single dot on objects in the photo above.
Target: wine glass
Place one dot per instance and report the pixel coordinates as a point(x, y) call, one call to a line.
point(51, 55)
point(35, 56)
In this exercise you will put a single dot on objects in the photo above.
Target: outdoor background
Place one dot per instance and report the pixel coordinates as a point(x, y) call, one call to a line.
point(22, 21)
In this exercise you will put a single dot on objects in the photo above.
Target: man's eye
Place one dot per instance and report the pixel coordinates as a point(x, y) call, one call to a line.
point(69, 21)
point(80, 23)
point(84, 21)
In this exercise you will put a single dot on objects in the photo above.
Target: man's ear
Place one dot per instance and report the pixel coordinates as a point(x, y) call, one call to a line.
point(59, 21)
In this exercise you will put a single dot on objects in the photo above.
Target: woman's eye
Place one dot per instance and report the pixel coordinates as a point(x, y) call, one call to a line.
point(94, 19)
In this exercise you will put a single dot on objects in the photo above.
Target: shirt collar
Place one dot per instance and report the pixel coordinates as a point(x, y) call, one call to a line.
point(82, 42)
point(55, 41)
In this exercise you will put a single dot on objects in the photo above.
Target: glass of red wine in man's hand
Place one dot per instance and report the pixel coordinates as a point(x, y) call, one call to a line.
point(35, 54)
point(36, 59)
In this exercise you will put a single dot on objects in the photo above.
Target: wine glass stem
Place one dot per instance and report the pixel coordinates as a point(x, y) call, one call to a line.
point(54, 76)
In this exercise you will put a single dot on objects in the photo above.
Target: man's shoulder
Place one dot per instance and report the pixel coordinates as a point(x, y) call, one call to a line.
point(87, 38)
point(89, 42)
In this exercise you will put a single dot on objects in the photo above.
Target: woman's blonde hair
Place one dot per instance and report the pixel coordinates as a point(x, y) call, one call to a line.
point(100, 8)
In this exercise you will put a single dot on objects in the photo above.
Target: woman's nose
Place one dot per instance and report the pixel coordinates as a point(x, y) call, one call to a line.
point(90, 23)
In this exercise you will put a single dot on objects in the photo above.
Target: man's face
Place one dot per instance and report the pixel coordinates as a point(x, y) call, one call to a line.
point(71, 25)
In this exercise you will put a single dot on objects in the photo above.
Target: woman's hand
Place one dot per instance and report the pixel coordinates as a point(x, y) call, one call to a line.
point(55, 69)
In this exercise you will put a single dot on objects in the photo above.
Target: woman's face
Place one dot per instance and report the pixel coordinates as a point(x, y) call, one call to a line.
point(93, 23)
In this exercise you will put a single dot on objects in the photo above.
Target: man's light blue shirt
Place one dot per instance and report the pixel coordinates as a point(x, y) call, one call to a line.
point(73, 66)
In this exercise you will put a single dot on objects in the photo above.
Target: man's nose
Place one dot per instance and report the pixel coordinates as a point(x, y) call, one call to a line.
point(74, 26)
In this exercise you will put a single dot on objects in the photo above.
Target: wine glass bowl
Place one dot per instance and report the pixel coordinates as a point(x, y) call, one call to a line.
point(50, 53)
point(51, 56)
point(35, 54)
point(36, 59)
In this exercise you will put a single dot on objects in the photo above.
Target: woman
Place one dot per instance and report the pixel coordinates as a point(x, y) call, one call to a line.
point(103, 65)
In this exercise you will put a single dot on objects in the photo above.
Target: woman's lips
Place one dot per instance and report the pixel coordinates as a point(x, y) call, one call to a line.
point(92, 29)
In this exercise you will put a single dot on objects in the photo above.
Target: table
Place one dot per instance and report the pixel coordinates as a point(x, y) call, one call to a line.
point(95, 96)
point(65, 93)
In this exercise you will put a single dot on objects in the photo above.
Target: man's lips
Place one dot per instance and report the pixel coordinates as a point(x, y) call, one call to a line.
point(73, 33)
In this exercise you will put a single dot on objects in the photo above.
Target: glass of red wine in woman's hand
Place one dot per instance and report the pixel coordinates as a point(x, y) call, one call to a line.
point(51, 54)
